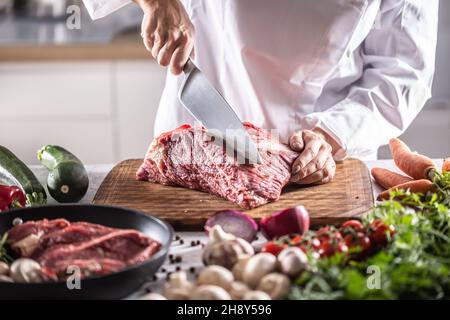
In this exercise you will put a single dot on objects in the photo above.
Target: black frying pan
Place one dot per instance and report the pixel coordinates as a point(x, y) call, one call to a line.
point(113, 286)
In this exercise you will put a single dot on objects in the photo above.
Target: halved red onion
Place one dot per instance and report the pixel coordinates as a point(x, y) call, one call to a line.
point(234, 222)
point(287, 221)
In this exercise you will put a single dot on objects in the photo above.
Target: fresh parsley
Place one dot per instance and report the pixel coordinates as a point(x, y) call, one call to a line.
point(414, 265)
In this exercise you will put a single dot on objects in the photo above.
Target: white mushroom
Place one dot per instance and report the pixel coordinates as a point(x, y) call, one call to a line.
point(292, 261)
point(256, 295)
point(26, 246)
point(153, 296)
point(217, 234)
point(178, 287)
point(237, 290)
point(225, 249)
point(276, 285)
point(4, 269)
point(4, 278)
point(216, 275)
point(257, 267)
point(25, 270)
point(238, 268)
point(210, 292)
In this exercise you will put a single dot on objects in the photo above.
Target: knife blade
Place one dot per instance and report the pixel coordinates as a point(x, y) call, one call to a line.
point(208, 106)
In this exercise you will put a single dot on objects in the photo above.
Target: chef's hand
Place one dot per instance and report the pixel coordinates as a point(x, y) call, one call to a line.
point(167, 32)
point(315, 164)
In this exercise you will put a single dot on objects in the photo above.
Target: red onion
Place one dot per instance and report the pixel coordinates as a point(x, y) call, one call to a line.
point(287, 221)
point(234, 222)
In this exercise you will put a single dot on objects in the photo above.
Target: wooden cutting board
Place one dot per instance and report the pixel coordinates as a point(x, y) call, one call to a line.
point(348, 195)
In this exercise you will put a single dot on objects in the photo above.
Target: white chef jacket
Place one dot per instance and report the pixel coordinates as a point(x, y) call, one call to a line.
point(359, 69)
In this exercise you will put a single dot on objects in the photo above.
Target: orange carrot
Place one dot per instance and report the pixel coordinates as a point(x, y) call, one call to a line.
point(422, 186)
point(388, 179)
point(413, 164)
point(446, 165)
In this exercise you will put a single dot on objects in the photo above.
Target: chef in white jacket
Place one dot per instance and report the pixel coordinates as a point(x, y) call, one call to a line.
point(336, 78)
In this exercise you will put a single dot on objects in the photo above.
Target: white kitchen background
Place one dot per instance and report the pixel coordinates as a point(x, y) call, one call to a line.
point(104, 110)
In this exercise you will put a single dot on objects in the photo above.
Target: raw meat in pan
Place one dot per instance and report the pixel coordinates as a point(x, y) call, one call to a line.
point(94, 249)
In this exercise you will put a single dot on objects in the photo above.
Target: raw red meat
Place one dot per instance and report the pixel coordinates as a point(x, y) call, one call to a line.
point(95, 249)
point(23, 230)
point(189, 158)
point(72, 234)
point(25, 238)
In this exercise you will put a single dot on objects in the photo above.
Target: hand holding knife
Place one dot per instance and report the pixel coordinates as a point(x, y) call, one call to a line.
point(208, 106)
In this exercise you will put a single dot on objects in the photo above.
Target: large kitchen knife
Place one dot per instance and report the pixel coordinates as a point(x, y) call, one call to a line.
point(208, 106)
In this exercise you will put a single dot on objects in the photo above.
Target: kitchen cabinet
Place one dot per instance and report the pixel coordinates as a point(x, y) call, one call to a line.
point(101, 110)
point(139, 86)
point(52, 91)
point(104, 110)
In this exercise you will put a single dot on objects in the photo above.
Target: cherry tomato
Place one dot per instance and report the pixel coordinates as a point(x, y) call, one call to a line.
point(304, 248)
point(349, 240)
point(364, 242)
point(273, 248)
point(380, 230)
point(342, 247)
point(324, 231)
point(296, 240)
point(315, 243)
point(328, 233)
point(358, 240)
point(375, 223)
point(326, 249)
point(337, 236)
point(315, 255)
point(354, 224)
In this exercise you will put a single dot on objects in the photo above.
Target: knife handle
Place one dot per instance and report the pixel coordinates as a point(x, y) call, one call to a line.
point(189, 67)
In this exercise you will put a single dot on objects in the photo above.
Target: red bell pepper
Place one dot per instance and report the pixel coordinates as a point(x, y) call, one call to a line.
point(11, 196)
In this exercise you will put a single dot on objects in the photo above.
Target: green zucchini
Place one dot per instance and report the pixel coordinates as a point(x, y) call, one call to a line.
point(68, 179)
point(14, 172)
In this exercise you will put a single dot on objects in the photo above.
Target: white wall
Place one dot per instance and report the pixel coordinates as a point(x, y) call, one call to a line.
point(441, 85)
point(430, 132)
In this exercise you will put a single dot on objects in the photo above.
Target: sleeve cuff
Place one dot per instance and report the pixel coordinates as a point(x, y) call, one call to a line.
point(311, 123)
point(100, 8)
point(359, 130)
